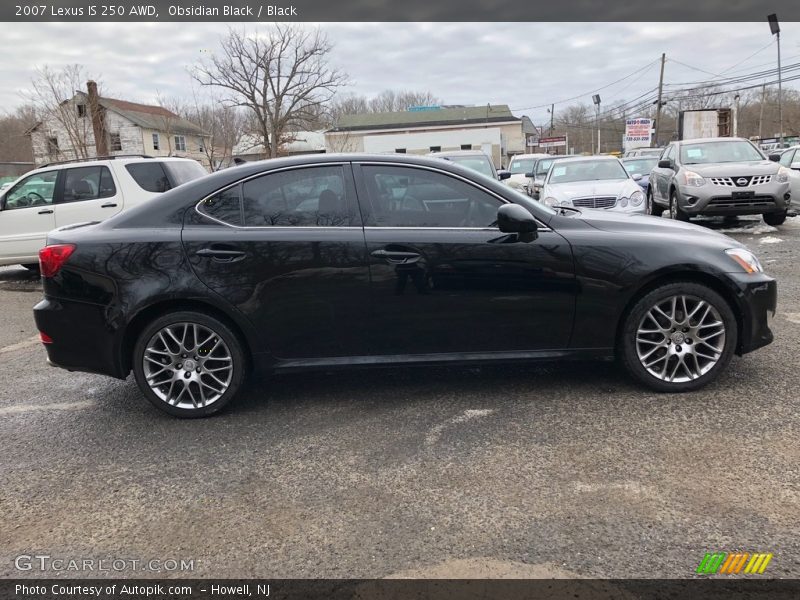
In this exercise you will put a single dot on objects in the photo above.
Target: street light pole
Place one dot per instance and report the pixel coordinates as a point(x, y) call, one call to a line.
point(596, 100)
point(775, 28)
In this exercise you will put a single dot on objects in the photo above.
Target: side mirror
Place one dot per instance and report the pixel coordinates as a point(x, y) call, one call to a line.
point(530, 175)
point(775, 156)
point(501, 175)
point(665, 163)
point(513, 218)
point(637, 176)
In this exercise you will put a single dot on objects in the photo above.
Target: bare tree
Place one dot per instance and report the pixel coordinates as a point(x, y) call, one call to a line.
point(51, 95)
point(225, 126)
point(281, 74)
point(15, 146)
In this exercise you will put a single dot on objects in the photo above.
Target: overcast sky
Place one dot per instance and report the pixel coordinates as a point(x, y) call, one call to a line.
point(524, 65)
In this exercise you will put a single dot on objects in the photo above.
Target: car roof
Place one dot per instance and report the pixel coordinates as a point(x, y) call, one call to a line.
point(713, 139)
point(583, 158)
point(644, 157)
point(459, 153)
point(104, 161)
point(535, 155)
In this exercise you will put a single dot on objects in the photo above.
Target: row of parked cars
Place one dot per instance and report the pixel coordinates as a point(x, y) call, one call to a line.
point(687, 178)
point(326, 261)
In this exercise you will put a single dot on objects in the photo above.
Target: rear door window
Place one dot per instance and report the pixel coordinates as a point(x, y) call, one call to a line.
point(87, 183)
point(149, 176)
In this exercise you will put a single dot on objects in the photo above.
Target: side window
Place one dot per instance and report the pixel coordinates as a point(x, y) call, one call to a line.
point(88, 183)
point(669, 153)
point(786, 158)
point(307, 197)
point(35, 190)
point(409, 197)
point(150, 176)
point(225, 206)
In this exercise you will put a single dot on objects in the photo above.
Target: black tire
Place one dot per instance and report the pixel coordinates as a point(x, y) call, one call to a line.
point(636, 318)
point(229, 341)
point(775, 219)
point(653, 208)
point(675, 211)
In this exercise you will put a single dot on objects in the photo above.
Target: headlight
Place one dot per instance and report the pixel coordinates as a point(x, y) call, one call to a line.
point(693, 179)
point(550, 201)
point(637, 198)
point(783, 175)
point(745, 259)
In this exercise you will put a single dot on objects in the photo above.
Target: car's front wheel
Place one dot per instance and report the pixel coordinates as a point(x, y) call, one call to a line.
point(189, 364)
point(775, 218)
point(675, 211)
point(679, 337)
point(653, 208)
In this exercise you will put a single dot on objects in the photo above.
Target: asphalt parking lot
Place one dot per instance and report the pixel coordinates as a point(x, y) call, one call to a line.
point(555, 470)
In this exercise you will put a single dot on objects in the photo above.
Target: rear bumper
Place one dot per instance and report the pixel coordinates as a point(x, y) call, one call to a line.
point(82, 339)
point(758, 300)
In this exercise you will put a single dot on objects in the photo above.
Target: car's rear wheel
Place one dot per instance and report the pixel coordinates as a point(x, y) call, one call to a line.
point(775, 218)
point(653, 208)
point(675, 211)
point(679, 337)
point(189, 364)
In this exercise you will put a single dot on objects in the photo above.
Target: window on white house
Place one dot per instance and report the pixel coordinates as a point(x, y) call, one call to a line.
point(399, 150)
point(436, 148)
point(115, 143)
point(52, 146)
point(202, 145)
point(81, 110)
point(180, 143)
point(156, 141)
point(466, 146)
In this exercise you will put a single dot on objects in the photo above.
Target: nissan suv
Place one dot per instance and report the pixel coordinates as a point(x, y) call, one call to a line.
point(78, 191)
point(718, 176)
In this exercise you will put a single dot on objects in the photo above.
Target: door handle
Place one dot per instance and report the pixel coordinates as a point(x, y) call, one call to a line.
point(109, 205)
point(46, 211)
point(221, 254)
point(396, 257)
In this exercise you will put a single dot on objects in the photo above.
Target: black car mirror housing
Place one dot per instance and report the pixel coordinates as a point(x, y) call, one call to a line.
point(665, 163)
point(513, 218)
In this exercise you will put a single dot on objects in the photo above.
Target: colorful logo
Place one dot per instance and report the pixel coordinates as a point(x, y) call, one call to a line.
point(734, 563)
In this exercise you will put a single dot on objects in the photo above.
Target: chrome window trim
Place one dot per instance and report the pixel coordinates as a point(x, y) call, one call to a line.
point(540, 226)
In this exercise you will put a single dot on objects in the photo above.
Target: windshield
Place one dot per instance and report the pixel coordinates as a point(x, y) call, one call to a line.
point(480, 164)
point(643, 166)
point(543, 166)
point(587, 170)
point(522, 165)
point(184, 171)
point(719, 152)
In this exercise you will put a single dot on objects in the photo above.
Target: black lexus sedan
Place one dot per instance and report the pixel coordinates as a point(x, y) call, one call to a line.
point(324, 261)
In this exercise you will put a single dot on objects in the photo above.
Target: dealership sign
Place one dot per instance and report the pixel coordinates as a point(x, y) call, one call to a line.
point(553, 142)
point(638, 133)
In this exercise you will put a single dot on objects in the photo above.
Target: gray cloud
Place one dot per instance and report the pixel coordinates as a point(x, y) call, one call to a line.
point(524, 65)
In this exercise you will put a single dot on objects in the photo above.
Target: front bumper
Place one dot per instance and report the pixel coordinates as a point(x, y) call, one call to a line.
point(757, 297)
point(711, 199)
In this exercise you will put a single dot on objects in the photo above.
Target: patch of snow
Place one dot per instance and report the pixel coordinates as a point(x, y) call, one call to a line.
point(770, 239)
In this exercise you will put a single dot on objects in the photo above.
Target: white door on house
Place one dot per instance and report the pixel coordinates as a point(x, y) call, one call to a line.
point(27, 215)
point(87, 194)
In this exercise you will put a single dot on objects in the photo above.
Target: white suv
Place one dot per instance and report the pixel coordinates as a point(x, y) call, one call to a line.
point(72, 192)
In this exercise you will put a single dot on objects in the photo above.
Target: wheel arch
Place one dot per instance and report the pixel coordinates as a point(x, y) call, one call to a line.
point(701, 277)
point(151, 312)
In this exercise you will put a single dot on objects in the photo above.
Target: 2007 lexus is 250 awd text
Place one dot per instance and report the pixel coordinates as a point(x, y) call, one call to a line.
point(337, 260)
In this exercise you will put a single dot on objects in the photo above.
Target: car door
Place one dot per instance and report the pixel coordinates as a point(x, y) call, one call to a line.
point(86, 194)
point(26, 216)
point(443, 277)
point(287, 249)
point(663, 176)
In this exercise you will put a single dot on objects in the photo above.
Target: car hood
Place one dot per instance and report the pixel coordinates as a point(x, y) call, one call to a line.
point(626, 223)
point(580, 189)
point(733, 169)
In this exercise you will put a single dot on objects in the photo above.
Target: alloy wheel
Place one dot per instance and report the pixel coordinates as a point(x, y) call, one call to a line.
point(187, 365)
point(680, 338)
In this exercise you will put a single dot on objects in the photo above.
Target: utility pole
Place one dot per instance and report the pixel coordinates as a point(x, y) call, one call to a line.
point(654, 142)
point(761, 113)
point(552, 117)
point(775, 28)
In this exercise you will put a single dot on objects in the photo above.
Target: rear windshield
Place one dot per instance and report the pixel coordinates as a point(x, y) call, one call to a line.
point(522, 165)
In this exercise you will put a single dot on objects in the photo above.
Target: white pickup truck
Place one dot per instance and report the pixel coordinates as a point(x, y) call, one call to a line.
point(62, 194)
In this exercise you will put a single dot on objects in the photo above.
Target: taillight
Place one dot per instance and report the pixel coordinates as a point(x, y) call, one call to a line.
point(45, 339)
point(52, 258)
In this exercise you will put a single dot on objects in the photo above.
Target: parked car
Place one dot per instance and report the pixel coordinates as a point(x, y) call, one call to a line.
point(477, 160)
point(641, 166)
point(520, 167)
point(392, 260)
point(77, 191)
point(718, 176)
point(639, 152)
point(540, 169)
point(592, 182)
point(790, 158)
